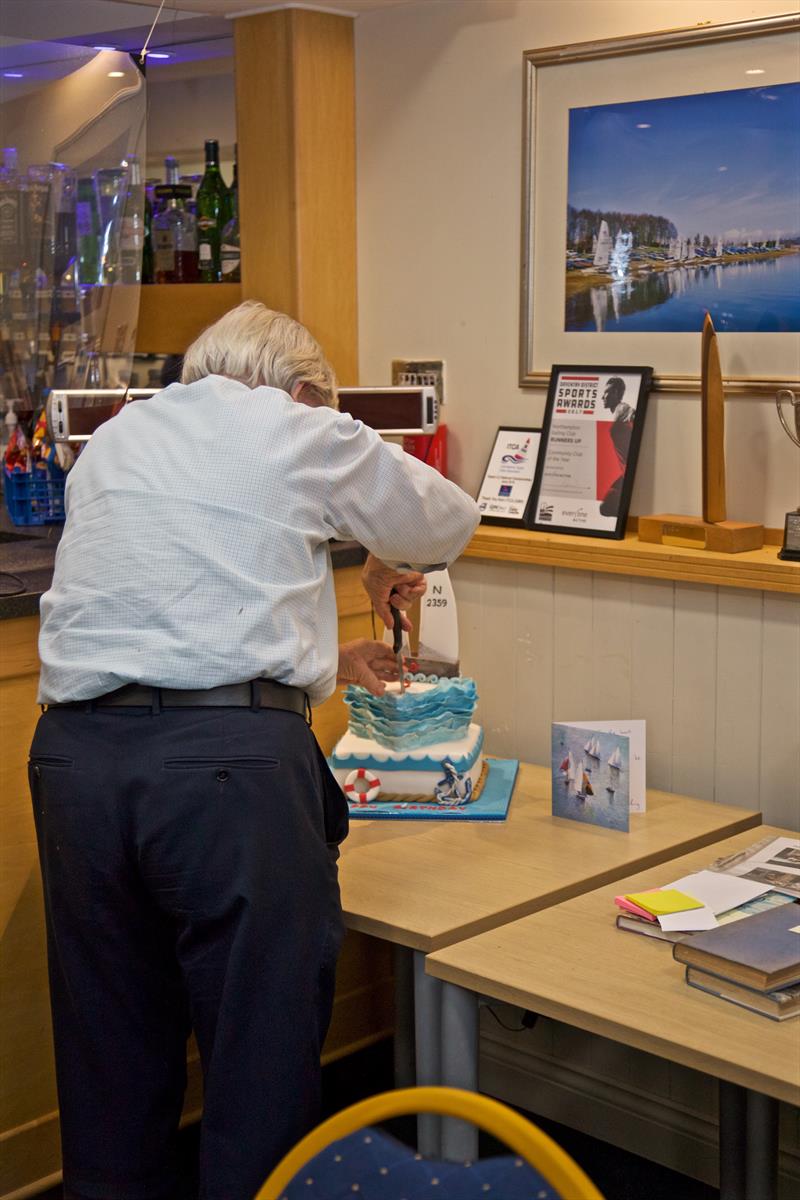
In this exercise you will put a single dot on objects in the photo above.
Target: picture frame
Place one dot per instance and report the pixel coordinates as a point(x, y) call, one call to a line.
point(505, 494)
point(593, 424)
point(670, 64)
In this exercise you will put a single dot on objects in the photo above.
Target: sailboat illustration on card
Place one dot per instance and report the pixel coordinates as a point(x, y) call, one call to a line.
point(598, 771)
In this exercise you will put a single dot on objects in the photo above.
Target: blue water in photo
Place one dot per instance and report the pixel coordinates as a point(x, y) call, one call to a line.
point(750, 297)
point(607, 808)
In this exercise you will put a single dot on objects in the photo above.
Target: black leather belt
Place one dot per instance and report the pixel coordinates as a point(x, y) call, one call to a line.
point(257, 693)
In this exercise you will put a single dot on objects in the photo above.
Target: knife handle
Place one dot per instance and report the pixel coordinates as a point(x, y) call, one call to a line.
point(397, 618)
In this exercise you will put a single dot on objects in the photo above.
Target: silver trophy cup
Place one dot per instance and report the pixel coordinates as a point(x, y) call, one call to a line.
point(791, 535)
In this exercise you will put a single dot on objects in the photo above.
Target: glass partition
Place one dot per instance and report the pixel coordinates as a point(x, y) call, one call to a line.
point(72, 213)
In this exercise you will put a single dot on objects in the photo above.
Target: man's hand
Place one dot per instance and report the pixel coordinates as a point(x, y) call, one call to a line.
point(367, 663)
point(379, 580)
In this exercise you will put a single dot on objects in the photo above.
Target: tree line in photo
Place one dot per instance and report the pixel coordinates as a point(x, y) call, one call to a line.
point(583, 225)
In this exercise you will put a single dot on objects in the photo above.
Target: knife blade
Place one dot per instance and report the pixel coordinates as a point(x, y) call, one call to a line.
point(397, 643)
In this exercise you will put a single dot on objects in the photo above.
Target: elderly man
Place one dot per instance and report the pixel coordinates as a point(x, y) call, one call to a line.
point(187, 820)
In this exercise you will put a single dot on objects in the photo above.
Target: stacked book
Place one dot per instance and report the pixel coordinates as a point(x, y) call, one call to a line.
point(753, 963)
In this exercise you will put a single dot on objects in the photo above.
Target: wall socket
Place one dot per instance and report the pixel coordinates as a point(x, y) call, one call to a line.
point(419, 372)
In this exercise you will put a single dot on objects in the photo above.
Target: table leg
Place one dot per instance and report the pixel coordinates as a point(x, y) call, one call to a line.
point(428, 1030)
point(761, 1161)
point(748, 1144)
point(404, 1072)
point(732, 1140)
point(459, 1066)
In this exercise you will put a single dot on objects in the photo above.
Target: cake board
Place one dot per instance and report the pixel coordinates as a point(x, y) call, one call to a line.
point(491, 805)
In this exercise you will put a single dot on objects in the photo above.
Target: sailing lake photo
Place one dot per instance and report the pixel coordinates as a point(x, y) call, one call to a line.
point(683, 206)
point(591, 776)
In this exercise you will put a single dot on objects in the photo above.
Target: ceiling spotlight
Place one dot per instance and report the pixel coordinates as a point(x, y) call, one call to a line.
point(157, 54)
point(116, 74)
point(13, 74)
point(104, 47)
point(643, 126)
point(755, 71)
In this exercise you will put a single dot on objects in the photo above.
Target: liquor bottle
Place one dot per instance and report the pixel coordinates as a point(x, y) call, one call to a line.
point(111, 191)
point(148, 269)
point(194, 183)
point(65, 311)
point(63, 190)
point(88, 226)
point(210, 215)
point(10, 230)
point(230, 253)
point(174, 236)
point(35, 214)
point(171, 169)
point(232, 198)
point(131, 246)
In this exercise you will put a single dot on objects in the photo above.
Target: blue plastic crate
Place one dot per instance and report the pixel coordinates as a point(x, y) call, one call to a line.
point(35, 497)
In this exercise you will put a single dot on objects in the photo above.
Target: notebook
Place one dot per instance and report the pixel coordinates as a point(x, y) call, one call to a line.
point(762, 952)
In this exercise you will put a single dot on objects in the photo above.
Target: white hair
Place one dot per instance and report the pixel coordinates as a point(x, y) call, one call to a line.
point(260, 348)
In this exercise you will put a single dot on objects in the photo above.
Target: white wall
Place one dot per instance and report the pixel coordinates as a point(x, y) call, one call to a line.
point(185, 106)
point(715, 671)
point(439, 112)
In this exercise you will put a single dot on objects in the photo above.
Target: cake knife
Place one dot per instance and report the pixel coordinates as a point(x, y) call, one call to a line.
point(397, 643)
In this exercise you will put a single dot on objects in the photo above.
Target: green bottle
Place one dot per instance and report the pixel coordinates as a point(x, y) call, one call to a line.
point(88, 230)
point(211, 205)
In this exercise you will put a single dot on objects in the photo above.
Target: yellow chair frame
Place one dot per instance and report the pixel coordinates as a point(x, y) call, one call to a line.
point(539, 1150)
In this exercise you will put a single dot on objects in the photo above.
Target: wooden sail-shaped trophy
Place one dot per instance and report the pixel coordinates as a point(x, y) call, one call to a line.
point(712, 531)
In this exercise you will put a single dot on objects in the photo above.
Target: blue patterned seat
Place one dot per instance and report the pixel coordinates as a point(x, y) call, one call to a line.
point(372, 1165)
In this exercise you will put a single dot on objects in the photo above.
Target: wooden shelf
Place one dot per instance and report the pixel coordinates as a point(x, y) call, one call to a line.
point(172, 314)
point(758, 569)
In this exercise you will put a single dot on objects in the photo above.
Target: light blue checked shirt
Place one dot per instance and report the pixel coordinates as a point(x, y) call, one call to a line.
point(195, 551)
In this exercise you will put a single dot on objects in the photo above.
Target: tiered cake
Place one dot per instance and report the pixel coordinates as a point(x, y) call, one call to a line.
point(418, 744)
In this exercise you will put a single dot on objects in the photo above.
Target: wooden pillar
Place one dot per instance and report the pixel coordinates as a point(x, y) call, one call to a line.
point(295, 111)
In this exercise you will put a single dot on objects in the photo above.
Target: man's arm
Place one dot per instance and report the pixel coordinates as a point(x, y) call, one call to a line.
point(404, 513)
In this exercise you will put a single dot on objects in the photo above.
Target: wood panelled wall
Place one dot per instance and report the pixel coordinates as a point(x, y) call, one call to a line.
point(714, 671)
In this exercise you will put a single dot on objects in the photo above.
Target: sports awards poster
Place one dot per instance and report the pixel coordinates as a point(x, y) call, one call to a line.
point(590, 443)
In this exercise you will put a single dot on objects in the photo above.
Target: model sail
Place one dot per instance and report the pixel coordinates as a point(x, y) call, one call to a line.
point(576, 779)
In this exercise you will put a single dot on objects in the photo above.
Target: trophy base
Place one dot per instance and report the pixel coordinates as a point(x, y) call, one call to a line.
point(790, 550)
point(724, 537)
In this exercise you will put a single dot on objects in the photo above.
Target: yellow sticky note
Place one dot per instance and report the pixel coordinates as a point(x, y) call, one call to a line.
point(661, 903)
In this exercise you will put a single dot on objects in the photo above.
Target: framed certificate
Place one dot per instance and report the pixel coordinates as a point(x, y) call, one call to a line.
point(504, 497)
point(593, 425)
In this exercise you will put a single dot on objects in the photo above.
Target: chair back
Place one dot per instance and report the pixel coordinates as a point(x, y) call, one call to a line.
point(540, 1151)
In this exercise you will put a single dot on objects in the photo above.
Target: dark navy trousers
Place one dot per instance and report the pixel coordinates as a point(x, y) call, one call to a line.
point(189, 868)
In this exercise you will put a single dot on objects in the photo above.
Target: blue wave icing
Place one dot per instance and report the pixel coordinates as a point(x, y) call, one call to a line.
point(408, 721)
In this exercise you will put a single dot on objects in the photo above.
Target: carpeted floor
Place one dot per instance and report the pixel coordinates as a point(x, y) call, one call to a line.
point(618, 1175)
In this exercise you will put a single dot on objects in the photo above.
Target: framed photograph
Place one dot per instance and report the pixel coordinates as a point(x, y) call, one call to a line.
point(661, 180)
point(593, 425)
point(504, 497)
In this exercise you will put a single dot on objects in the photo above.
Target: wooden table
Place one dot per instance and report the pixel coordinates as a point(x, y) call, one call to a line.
point(426, 884)
point(572, 964)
